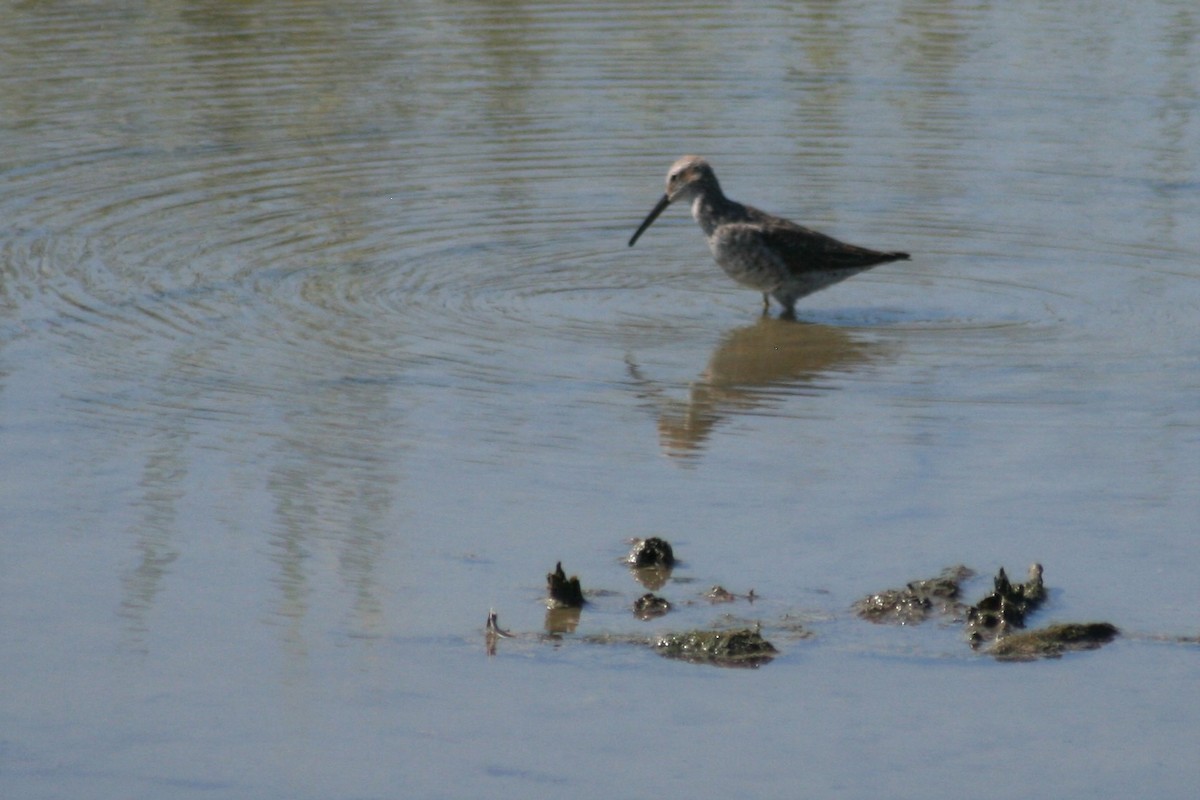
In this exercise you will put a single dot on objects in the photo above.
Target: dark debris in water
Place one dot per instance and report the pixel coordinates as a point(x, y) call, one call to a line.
point(651, 561)
point(1053, 640)
point(917, 600)
point(652, 552)
point(564, 592)
point(736, 648)
point(995, 624)
point(650, 605)
point(726, 644)
point(997, 619)
point(1004, 609)
point(719, 594)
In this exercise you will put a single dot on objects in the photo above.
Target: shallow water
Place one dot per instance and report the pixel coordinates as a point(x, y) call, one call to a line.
point(319, 338)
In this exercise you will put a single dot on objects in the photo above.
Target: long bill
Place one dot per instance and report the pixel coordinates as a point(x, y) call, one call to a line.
point(653, 215)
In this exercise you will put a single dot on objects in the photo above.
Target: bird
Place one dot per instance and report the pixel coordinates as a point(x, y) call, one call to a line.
point(774, 255)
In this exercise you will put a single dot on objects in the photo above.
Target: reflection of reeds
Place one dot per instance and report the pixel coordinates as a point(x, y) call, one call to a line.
point(751, 368)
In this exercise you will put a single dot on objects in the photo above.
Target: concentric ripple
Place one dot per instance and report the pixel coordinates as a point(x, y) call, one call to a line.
point(473, 228)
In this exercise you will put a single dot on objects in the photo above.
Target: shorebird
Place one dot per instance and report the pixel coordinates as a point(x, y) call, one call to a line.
point(773, 255)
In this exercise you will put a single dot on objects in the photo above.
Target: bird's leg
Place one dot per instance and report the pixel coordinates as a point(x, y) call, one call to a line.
point(789, 307)
point(766, 304)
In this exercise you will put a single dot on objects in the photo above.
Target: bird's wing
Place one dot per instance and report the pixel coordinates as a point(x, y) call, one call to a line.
point(805, 249)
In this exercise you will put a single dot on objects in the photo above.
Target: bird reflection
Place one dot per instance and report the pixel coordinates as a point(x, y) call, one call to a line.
point(752, 367)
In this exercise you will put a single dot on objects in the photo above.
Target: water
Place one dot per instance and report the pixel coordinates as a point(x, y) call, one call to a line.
point(319, 338)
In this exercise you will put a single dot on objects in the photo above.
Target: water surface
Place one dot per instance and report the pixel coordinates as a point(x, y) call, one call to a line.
point(319, 338)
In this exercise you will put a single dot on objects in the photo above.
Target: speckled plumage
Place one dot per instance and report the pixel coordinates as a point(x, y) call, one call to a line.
point(773, 255)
